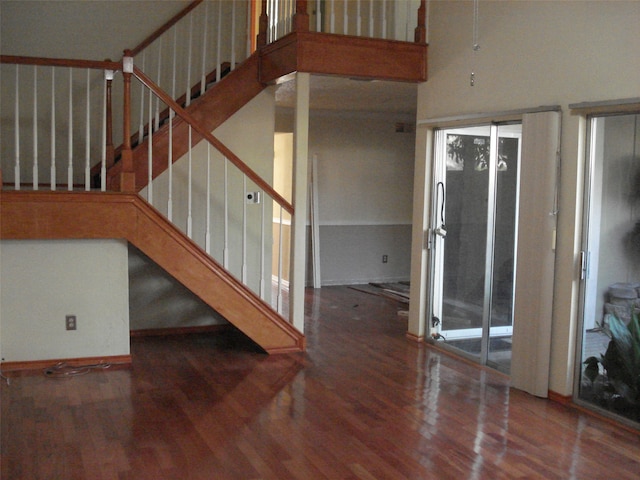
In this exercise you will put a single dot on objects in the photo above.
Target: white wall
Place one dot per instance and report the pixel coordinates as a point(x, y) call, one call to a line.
point(90, 30)
point(365, 185)
point(364, 168)
point(43, 281)
point(249, 133)
point(536, 53)
point(157, 300)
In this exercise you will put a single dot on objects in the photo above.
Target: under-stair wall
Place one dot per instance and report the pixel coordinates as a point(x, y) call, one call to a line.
point(43, 281)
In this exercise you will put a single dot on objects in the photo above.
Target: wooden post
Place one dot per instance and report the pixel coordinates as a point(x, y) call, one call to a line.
point(263, 26)
point(421, 29)
point(301, 17)
point(127, 175)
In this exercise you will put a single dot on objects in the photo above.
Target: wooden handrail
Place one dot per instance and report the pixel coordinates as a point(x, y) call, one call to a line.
point(175, 19)
point(223, 149)
point(61, 62)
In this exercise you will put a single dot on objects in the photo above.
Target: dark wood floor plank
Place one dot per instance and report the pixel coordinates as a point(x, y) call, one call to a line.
point(362, 403)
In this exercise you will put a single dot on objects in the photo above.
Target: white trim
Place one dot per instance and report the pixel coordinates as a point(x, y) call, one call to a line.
point(363, 281)
point(612, 106)
point(489, 117)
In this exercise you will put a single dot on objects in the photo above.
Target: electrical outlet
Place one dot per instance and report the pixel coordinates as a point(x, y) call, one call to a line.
point(70, 322)
point(385, 258)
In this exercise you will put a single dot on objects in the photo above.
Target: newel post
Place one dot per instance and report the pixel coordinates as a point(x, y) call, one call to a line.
point(127, 174)
point(421, 29)
point(263, 26)
point(301, 17)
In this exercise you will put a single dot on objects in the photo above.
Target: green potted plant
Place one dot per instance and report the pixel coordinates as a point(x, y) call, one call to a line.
point(617, 386)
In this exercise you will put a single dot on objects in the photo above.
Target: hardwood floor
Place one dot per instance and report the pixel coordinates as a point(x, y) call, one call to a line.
point(363, 403)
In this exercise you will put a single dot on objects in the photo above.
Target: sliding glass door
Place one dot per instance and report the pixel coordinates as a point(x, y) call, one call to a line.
point(609, 360)
point(474, 240)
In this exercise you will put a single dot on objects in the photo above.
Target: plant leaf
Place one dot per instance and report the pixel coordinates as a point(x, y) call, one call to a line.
point(623, 340)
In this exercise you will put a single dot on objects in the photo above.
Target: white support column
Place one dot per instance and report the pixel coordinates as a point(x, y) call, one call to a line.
point(418, 308)
point(300, 195)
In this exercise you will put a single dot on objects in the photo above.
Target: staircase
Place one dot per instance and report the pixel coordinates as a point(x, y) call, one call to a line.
point(171, 128)
point(82, 215)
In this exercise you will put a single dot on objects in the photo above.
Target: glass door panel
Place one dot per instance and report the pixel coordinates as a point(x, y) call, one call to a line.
point(609, 377)
point(475, 212)
point(464, 262)
point(504, 248)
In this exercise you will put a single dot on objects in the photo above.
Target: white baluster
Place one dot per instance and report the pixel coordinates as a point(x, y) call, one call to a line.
point(190, 37)
point(384, 19)
point(87, 136)
point(203, 82)
point(244, 230)
point(428, 17)
point(16, 171)
point(233, 35)
point(157, 118)
point(170, 168)
point(333, 17)
point(103, 157)
point(248, 30)
point(141, 125)
point(262, 253)
point(53, 129)
point(190, 192)
point(150, 154)
point(70, 137)
point(35, 128)
point(225, 251)
point(319, 16)
point(207, 235)
point(284, 18)
point(219, 43)
point(280, 15)
point(273, 21)
point(279, 294)
point(359, 19)
point(345, 18)
point(371, 18)
point(173, 78)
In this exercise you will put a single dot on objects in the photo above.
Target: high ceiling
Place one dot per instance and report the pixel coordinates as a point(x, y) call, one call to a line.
point(336, 93)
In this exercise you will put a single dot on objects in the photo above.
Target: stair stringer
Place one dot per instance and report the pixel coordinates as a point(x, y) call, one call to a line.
point(86, 215)
point(210, 110)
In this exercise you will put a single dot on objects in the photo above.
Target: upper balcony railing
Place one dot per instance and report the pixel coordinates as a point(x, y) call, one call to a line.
point(402, 20)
